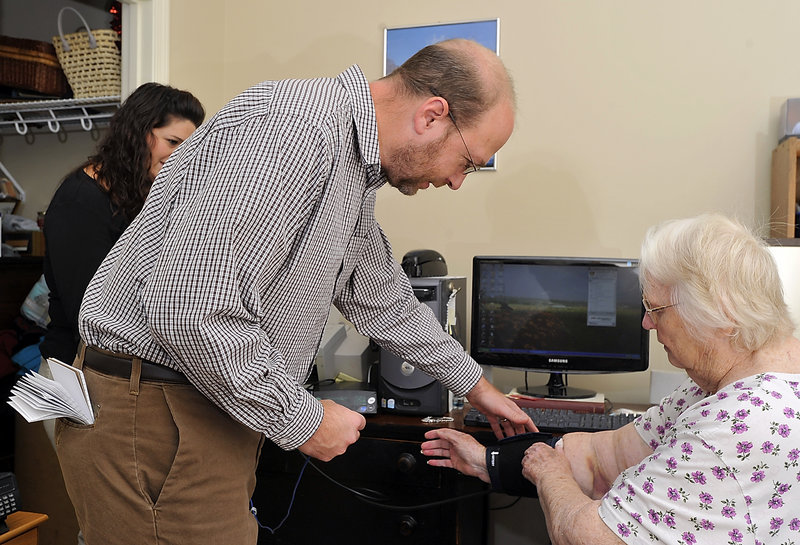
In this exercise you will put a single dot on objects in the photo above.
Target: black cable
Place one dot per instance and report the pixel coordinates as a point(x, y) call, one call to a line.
point(509, 506)
point(254, 511)
point(374, 501)
point(314, 386)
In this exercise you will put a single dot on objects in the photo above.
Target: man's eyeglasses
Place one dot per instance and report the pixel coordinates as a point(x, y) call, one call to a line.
point(651, 311)
point(472, 167)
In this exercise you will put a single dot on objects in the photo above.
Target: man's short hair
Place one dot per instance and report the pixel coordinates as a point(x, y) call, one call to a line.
point(469, 76)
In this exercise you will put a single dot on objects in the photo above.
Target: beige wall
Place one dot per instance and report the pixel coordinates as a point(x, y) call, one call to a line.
point(629, 113)
point(39, 161)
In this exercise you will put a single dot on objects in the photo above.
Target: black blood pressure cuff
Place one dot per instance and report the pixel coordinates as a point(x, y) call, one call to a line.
point(504, 463)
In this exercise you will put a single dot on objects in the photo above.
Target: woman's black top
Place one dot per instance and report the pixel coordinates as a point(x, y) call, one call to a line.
point(79, 230)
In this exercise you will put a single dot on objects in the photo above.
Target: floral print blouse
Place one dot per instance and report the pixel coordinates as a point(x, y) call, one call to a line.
point(725, 468)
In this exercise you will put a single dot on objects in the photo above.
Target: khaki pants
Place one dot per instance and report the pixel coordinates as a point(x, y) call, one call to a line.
point(160, 465)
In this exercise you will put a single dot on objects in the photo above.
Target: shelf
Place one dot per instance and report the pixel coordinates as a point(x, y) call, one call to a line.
point(53, 115)
point(21, 118)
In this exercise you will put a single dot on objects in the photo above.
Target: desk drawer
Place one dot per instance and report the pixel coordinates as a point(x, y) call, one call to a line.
point(392, 474)
point(384, 461)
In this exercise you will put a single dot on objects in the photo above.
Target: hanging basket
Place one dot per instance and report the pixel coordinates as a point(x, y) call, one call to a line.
point(90, 59)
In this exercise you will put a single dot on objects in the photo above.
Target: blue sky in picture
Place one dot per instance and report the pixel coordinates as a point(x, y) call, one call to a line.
point(401, 43)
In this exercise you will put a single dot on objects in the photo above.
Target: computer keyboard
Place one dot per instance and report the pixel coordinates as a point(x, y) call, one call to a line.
point(560, 420)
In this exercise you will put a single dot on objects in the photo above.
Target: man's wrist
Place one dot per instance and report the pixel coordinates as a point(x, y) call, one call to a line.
point(302, 426)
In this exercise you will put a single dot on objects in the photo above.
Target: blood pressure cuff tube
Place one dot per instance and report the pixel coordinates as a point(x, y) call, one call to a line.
point(504, 463)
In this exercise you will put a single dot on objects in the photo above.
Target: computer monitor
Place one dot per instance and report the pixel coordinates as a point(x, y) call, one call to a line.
point(558, 315)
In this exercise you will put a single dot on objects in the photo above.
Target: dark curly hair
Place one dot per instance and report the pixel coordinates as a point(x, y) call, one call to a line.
point(122, 159)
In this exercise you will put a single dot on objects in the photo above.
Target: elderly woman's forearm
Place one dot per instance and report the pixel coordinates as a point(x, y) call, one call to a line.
point(571, 516)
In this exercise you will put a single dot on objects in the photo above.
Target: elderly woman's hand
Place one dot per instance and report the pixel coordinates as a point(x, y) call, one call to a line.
point(457, 450)
point(540, 459)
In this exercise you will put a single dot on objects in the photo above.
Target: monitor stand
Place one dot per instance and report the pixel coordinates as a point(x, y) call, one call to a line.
point(556, 388)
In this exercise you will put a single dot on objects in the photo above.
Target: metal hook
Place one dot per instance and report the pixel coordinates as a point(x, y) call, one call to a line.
point(53, 124)
point(22, 129)
point(86, 121)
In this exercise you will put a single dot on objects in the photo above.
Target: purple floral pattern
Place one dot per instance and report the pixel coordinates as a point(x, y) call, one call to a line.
point(725, 468)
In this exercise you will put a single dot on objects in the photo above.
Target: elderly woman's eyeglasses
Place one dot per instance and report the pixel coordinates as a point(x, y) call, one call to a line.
point(652, 311)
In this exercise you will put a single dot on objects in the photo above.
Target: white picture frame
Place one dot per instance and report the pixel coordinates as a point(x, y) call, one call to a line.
point(400, 43)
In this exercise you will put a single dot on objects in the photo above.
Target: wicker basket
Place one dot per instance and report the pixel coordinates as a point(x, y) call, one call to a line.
point(29, 65)
point(90, 59)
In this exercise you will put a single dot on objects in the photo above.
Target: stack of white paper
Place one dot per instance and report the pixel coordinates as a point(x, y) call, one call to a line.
point(38, 398)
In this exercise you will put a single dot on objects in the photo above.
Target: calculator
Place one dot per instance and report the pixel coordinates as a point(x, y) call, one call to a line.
point(9, 498)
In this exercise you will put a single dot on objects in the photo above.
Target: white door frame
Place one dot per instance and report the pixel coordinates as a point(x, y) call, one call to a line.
point(145, 43)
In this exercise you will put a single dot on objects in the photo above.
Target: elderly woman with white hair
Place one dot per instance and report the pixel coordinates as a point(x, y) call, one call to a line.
point(718, 460)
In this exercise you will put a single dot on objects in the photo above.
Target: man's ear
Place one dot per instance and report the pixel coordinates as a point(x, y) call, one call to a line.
point(430, 114)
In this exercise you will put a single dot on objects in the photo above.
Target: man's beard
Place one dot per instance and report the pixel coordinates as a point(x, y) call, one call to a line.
point(410, 166)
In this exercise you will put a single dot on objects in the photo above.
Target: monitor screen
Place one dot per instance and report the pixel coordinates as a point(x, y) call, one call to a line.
point(558, 315)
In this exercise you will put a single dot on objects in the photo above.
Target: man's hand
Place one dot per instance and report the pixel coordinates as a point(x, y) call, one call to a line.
point(339, 429)
point(457, 450)
point(505, 417)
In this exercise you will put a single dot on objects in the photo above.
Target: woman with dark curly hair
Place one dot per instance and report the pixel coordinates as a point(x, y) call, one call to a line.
point(96, 202)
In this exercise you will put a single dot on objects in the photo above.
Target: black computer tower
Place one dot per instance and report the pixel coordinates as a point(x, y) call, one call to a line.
point(403, 388)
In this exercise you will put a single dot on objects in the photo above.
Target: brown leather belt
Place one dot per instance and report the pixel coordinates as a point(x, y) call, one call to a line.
point(119, 365)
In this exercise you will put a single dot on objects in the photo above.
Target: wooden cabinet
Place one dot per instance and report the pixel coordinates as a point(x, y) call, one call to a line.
point(17, 277)
point(23, 528)
point(784, 188)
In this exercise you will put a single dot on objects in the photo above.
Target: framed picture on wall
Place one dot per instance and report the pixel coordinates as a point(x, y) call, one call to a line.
point(402, 42)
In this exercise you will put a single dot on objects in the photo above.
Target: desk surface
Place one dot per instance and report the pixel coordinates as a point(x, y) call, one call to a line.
point(411, 427)
point(19, 523)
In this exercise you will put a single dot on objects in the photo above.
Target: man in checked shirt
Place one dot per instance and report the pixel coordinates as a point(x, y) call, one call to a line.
point(203, 322)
